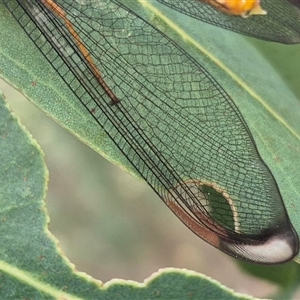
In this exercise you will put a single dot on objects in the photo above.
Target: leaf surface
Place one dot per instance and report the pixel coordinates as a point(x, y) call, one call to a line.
point(31, 264)
point(238, 68)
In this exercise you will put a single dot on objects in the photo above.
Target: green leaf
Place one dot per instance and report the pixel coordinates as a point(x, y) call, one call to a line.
point(257, 97)
point(286, 276)
point(285, 60)
point(269, 107)
point(31, 264)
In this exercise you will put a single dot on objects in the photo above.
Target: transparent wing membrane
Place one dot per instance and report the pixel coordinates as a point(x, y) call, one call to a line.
point(173, 122)
point(280, 24)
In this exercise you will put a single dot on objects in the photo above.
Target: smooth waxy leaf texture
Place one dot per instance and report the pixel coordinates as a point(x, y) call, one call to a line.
point(238, 89)
point(239, 69)
point(210, 170)
point(31, 265)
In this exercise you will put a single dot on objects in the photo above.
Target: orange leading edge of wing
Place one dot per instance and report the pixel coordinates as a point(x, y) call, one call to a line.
point(243, 8)
point(59, 12)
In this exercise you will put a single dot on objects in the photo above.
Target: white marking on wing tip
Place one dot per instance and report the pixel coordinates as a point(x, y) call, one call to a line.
point(275, 250)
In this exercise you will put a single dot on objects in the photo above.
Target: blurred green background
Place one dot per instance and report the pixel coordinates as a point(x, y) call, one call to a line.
point(111, 225)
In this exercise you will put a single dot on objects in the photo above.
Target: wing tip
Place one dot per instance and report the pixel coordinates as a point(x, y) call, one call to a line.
point(277, 248)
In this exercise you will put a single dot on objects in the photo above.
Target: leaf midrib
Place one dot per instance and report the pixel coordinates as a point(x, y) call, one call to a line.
point(221, 65)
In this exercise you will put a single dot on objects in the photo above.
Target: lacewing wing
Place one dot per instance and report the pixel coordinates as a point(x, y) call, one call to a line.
point(280, 24)
point(141, 87)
